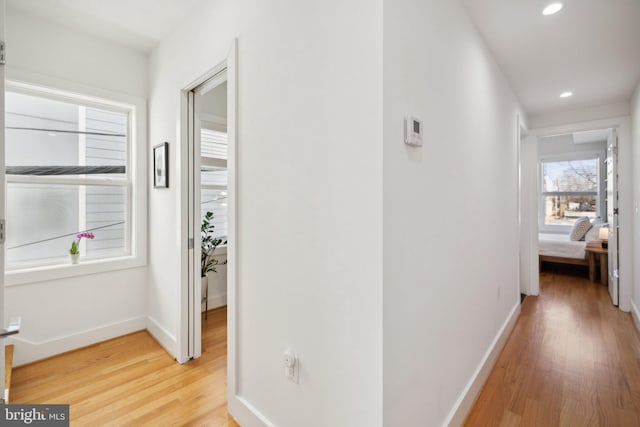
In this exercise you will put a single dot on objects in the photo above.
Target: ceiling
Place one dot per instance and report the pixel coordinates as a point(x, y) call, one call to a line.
point(590, 47)
point(139, 24)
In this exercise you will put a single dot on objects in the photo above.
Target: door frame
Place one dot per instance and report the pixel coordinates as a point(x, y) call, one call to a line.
point(189, 337)
point(2, 197)
point(613, 217)
point(625, 171)
point(527, 225)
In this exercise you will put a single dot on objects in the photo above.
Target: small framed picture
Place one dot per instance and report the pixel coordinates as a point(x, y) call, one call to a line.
point(161, 165)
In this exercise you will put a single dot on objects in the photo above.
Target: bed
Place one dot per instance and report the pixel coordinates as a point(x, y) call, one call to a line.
point(559, 248)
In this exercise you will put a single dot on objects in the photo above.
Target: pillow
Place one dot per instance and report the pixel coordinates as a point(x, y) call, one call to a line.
point(593, 233)
point(580, 228)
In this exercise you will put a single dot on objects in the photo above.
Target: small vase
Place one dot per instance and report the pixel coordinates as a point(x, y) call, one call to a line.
point(204, 286)
point(74, 258)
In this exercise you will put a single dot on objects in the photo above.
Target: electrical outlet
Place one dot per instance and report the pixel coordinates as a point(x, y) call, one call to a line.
point(291, 366)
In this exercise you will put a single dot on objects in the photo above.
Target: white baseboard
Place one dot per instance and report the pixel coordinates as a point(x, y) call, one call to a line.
point(164, 338)
point(27, 351)
point(246, 414)
point(635, 314)
point(468, 397)
point(216, 301)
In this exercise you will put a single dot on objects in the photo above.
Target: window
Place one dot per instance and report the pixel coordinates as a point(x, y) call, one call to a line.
point(67, 171)
point(569, 191)
point(213, 179)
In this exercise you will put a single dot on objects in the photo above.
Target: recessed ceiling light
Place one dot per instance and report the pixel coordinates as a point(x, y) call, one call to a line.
point(566, 94)
point(551, 9)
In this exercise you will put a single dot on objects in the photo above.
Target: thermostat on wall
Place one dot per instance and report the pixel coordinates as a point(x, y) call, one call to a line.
point(412, 131)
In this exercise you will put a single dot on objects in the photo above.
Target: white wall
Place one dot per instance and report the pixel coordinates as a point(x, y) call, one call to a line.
point(217, 282)
point(59, 315)
point(214, 102)
point(582, 115)
point(41, 47)
point(559, 145)
point(635, 117)
point(309, 196)
point(450, 211)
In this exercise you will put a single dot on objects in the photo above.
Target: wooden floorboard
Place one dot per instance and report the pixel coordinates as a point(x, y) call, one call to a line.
point(573, 359)
point(132, 381)
point(8, 368)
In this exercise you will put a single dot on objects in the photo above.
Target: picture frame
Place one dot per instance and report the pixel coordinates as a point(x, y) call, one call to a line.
point(161, 165)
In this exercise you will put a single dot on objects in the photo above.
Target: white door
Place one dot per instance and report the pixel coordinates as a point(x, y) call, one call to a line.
point(612, 213)
point(2, 320)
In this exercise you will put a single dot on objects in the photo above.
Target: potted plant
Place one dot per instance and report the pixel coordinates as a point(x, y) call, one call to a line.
point(74, 251)
point(208, 261)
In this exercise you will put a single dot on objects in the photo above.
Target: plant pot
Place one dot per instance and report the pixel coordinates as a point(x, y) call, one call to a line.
point(204, 284)
point(74, 258)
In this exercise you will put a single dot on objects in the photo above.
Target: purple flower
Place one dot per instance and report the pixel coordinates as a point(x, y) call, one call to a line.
point(85, 234)
point(74, 245)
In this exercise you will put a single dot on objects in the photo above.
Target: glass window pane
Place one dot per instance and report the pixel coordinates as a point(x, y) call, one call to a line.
point(213, 176)
point(564, 210)
point(43, 219)
point(102, 147)
point(105, 216)
point(213, 144)
point(45, 132)
point(570, 175)
point(216, 202)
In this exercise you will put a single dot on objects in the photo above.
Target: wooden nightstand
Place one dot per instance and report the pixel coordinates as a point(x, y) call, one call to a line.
point(597, 255)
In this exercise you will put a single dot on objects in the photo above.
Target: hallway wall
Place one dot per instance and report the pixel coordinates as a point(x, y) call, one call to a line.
point(450, 211)
point(635, 120)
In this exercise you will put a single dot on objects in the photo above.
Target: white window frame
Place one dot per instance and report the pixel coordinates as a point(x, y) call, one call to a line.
point(136, 169)
point(578, 155)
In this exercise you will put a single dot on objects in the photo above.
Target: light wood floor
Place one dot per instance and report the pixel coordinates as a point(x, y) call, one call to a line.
point(131, 381)
point(572, 360)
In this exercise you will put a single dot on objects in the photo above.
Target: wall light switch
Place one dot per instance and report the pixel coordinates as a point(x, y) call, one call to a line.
point(413, 131)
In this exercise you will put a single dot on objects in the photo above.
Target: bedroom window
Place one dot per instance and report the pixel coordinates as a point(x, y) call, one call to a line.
point(213, 179)
point(67, 171)
point(569, 191)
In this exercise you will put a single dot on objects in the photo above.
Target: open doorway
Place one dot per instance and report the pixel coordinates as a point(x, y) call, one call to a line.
point(577, 209)
point(213, 190)
point(208, 203)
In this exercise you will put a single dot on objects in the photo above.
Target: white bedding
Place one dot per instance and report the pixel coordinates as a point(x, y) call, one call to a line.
point(559, 245)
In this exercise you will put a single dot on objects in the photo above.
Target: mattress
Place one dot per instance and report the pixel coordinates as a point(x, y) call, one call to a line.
point(559, 245)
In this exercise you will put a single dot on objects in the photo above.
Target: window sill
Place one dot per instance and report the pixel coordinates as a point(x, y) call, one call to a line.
point(62, 271)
